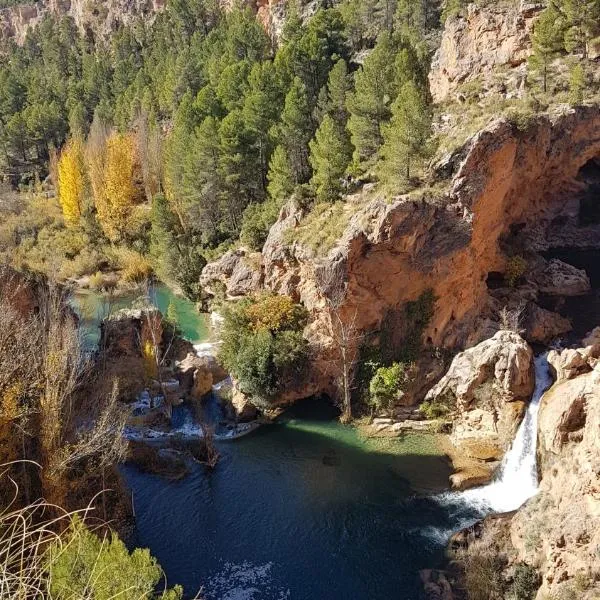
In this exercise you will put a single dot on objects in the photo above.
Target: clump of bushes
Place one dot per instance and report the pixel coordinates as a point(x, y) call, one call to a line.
point(438, 407)
point(263, 346)
point(526, 582)
point(135, 267)
point(388, 384)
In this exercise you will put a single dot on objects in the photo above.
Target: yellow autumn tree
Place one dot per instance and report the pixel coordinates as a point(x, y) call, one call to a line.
point(119, 191)
point(95, 158)
point(71, 181)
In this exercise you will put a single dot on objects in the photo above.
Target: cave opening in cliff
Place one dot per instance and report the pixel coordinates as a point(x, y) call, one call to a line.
point(589, 199)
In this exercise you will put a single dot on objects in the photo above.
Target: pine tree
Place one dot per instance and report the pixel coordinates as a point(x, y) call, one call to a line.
point(330, 153)
point(405, 136)
point(281, 177)
point(261, 111)
point(241, 181)
point(582, 24)
point(547, 43)
point(201, 184)
point(296, 130)
point(375, 84)
point(339, 85)
point(71, 181)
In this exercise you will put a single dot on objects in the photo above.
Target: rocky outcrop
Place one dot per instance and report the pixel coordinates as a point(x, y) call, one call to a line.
point(197, 375)
point(541, 326)
point(504, 362)
point(506, 183)
point(480, 42)
point(487, 386)
point(558, 278)
point(555, 536)
point(572, 362)
point(559, 530)
point(237, 273)
point(101, 18)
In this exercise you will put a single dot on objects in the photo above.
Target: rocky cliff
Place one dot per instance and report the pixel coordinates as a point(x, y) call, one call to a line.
point(510, 192)
point(550, 548)
point(101, 18)
point(483, 43)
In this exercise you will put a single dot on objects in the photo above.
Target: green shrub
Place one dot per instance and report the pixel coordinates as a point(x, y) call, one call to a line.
point(434, 409)
point(263, 346)
point(256, 223)
point(87, 566)
point(526, 582)
point(386, 386)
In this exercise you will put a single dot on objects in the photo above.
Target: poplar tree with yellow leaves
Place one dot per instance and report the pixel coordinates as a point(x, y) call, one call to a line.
point(71, 181)
point(120, 190)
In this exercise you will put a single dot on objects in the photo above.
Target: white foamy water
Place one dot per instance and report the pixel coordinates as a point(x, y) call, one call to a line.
point(516, 480)
point(207, 348)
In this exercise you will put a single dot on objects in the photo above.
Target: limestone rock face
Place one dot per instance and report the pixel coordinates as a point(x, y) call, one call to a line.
point(485, 38)
point(571, 362)
point(490, 384)
point(197, 375)
point(100, 17)
point(559, 529)
point(237, 271)
point(561, 279)
point(505, 362)
point(542, 326)
point(557, 532)
point(390, 253)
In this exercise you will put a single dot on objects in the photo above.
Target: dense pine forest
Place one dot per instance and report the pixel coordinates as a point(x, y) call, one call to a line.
point(174, 138)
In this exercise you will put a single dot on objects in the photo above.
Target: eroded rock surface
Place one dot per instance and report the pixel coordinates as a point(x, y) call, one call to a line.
point(559, 530)
point(488, 385)
point(390, 253)
point(476, 44)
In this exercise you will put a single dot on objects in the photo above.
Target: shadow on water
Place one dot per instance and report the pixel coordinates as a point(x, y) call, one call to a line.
point(301, 509)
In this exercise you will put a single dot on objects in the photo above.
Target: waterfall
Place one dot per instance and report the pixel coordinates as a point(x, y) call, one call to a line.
point(517, 479)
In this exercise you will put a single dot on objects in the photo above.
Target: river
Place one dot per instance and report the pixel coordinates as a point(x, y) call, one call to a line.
point(304, 509)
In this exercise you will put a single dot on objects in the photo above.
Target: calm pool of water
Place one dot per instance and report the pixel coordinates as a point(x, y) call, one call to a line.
point(304, 509)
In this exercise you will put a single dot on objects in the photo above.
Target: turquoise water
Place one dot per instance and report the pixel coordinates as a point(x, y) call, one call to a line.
point(303, 509)
point(93, 307)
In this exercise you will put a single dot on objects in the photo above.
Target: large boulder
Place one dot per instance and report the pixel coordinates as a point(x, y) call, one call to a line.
point(504, 362)
point(197, 375)
point(237, 273)
point(488, 386)
point(571, 362)
point(542, 326)
point(558, 278)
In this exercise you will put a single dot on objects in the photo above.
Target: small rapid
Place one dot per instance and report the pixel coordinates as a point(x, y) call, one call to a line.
point(516, 480)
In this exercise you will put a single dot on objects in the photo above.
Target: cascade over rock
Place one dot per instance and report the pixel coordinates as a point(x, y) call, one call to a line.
point(488, 387)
